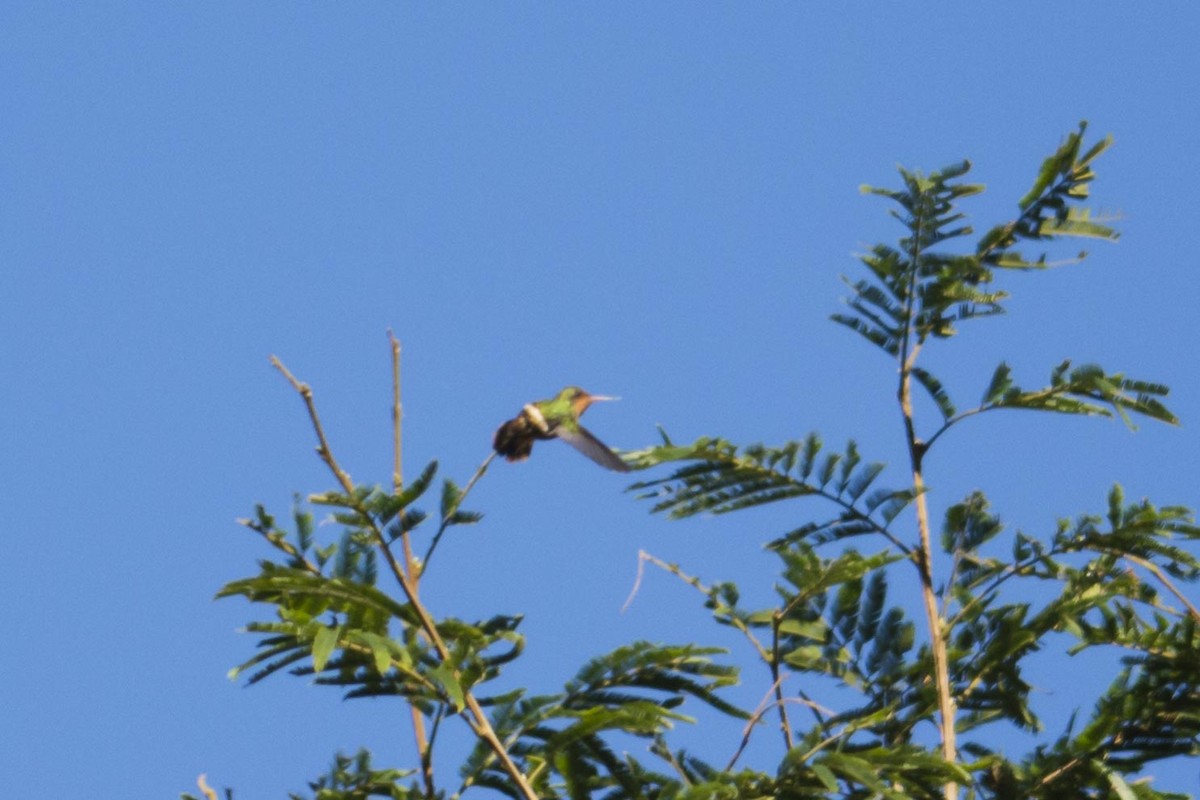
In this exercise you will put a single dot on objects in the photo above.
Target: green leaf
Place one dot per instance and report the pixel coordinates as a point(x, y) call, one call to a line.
point(826, 776)
point(856, 769)
point(1119, 785)
point(674, 670)
point(322, 647)
point(1000, 384)
point(883, 339)
point(295, 589)
point(936, 391)
point(451, 496)
point(1086, 390)
point(417, 488)
point(445, 677)
point(381, 651)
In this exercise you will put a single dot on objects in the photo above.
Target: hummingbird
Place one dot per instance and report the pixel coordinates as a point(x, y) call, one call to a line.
point(556, 418)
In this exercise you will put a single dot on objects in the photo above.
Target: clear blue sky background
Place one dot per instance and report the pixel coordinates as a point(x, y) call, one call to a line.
point(649, 200)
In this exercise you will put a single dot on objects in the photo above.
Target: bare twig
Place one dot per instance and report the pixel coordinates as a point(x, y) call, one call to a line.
point(323, 451)
point(777, 685)
point(420, 737)
point(476, 719)
point(763, 708)
point(397, 415)
point(643, 556)
point(772, 658)
point(763, 705)
point(695, 583)
point(205, 789)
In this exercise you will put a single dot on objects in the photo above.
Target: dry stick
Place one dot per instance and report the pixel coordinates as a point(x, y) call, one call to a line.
point(477, 720)
point(397, 414)
point(763, 705)
point(421, 738)
point(205, 789)
point(758, 714)
point(696, 584)
point(322, 444)
point(771, 658)
point(784, 723)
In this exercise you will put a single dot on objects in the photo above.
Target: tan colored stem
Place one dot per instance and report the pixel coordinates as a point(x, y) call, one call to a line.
point(907, 356)
point(477, 719)
point(420, 736)
point(205, 789)
point(924, 563)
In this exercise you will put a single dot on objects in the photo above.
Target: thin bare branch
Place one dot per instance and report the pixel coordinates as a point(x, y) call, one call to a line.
point(695, 583)
point(637, 581)
point(476, 719)
point(420, 736)
point(323, 451)
point(397, 416)
point(777, 684)
point(954, 421)
point(759, 711)
point(205, 789)
point(763, 708)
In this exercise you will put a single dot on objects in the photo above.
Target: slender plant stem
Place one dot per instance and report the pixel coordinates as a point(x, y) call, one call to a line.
point(476, 719)
point(772, 658)
point(907, 357)
point(760, 712)
point(777, 682)
point(937, 634)
point(880, 529)
point(665, 754)
point(397, 416)
point(205, 789)
point(305, 392)
point(695, 583)
point(450, 512)
point(420, 736)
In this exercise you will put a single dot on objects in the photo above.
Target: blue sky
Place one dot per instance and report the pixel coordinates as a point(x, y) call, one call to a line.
point(650, 200)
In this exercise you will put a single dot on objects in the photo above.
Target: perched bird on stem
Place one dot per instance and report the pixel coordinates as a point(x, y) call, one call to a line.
point(557, 418)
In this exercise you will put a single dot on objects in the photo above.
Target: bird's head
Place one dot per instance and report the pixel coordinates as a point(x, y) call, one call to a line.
point(580, 400)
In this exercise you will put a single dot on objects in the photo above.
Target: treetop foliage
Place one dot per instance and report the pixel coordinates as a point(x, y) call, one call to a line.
point(896, 654)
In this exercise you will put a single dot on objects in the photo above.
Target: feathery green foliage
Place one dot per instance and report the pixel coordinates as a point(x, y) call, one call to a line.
point(1114, 587)
point(890, 671)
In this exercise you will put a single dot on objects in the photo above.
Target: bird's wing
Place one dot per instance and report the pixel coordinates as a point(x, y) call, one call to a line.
point(593, 448)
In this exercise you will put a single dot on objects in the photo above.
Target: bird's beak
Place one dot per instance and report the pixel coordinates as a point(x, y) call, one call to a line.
point(582, 403)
